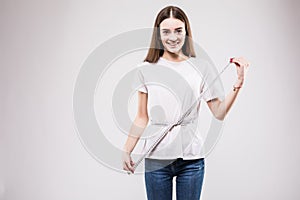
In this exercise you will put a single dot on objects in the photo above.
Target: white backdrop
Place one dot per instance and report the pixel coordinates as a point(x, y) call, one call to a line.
point(42, 47)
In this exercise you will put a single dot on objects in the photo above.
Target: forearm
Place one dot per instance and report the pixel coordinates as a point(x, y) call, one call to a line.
point(229, 100)
point(135, 133)
point(221, 108)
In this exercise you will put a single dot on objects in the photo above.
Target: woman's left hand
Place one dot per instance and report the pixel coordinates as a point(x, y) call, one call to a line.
point(241, 66)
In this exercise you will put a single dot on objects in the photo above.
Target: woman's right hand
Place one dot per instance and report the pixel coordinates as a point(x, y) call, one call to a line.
point(127, 162)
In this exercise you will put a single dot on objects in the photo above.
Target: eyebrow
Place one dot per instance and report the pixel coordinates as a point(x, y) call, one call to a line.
point(175, 28)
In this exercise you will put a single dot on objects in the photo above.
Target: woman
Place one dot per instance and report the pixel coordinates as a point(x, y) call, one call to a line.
point(173, 41)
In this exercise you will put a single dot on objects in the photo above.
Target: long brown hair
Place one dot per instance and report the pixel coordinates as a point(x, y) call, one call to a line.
point(156, 49)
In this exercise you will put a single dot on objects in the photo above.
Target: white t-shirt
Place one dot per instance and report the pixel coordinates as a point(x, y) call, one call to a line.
point(172, 88)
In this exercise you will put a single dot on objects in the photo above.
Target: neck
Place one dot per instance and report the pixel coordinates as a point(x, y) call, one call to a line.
point(174, 56)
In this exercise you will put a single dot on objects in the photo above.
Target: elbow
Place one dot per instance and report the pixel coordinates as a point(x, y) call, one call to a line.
point(220, 116)
point(220, 112)
point(217, 108)
point(142, 116)
point(141, 120)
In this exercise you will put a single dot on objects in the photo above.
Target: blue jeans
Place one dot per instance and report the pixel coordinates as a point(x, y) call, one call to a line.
point(159, 178)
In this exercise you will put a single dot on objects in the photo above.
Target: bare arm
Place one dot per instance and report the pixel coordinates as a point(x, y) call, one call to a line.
point(136, 130)
point(220, 108)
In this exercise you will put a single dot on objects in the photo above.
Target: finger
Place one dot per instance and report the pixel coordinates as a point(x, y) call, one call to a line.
point(132, 163)
point(129, 167)
point(243, 60)
point(235, 61)
point(132, 166)
point(126, 169)
point(125, 166)
point(242, 63)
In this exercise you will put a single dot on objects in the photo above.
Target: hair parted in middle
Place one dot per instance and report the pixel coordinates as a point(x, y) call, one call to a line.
point(156, 49)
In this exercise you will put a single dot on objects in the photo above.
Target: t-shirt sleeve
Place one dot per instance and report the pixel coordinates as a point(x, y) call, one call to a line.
point(211, 86)
point(138, 83)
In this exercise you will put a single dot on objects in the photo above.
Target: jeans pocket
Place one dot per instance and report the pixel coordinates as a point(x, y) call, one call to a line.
point(197, 164)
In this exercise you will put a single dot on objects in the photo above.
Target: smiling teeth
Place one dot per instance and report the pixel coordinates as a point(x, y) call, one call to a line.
point(173, 44)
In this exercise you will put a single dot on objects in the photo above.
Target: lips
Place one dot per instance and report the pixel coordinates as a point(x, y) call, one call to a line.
point(173, 44)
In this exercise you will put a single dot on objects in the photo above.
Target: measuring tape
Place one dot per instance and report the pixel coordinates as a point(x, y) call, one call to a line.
point(179, 122)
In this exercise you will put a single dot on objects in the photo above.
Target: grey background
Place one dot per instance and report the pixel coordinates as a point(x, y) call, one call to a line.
point(42, 47)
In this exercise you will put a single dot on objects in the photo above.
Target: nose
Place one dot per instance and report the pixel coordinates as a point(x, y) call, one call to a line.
point(172, 37)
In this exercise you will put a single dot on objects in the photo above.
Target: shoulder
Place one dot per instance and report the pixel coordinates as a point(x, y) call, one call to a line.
point(198, 61)
point(203, 65)
point(145, 64)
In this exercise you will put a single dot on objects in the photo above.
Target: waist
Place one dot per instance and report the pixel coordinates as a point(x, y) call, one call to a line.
point(166, 123)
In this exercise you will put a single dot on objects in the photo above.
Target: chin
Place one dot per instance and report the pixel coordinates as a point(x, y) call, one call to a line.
point(175, 51)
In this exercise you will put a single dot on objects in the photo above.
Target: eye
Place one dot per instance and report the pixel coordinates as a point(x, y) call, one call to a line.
point(179, 31)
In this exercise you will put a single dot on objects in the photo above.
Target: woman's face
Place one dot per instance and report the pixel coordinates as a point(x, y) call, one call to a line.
point(172, 33)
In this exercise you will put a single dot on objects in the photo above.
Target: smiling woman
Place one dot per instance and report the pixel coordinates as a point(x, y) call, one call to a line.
point(179, 153)
point(172, 38)
point(171, 32)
